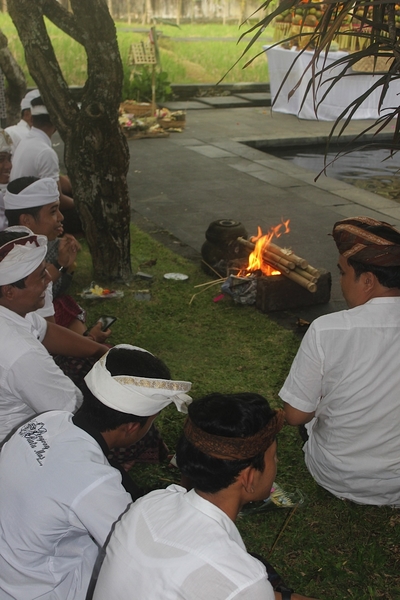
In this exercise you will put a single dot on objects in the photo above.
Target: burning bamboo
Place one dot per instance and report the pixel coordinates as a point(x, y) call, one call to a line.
point(289, 255)
point(289, 264)
point(271, 256)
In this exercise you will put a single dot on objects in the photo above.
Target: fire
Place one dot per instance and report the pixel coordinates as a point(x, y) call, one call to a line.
point(256, 261)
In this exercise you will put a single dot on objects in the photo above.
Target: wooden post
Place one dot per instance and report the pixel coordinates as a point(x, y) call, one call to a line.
point(153, 90)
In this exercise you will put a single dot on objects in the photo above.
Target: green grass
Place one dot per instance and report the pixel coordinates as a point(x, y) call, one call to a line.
point(184, 61)
point(330, 549)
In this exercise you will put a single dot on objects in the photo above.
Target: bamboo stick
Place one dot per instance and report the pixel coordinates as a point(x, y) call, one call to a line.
point(282, 529)
point(298, 261)
point(246, 243)
point(311, 287)
point(212, 268)
point(273, 260)
point(313, 271)
point(277, 258)
point(281, 268)
point(306, 274)
point(294, 276)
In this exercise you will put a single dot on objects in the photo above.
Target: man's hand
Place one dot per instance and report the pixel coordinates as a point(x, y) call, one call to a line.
point(67, 250)
point(60, 340)
point(98, 335)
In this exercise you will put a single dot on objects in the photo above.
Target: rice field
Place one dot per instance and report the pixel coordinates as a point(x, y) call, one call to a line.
point(202, 53)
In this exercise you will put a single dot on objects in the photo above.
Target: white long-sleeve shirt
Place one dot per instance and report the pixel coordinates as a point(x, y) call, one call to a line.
point(30, 381)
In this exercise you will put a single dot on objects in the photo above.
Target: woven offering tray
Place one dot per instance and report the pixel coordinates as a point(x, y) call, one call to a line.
point(95, 292)
point(138, 109)
point(368, 65)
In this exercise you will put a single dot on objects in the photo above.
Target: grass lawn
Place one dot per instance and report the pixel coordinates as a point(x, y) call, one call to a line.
point(187, 60)
point(330, 549)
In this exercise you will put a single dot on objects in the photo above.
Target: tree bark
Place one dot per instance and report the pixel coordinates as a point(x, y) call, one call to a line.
point(16, 81)
point(96, 151)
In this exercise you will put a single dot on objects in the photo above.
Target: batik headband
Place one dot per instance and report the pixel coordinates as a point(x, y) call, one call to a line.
point(237, 448)
point(362, 239)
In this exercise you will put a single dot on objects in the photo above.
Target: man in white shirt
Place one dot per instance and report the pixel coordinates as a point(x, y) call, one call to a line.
point(345, 380)
point(59, 495)
point(177, 544)
point(34, 203)
point(36, 157)
point(20, 131)
point(30, 381)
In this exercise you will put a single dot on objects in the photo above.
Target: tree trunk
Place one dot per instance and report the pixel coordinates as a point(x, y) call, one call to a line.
point(16, 81)
point(96, 151)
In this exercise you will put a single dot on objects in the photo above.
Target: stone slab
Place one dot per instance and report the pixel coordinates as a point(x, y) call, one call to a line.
point(256, 98)
point(185, 105)
point(211, 151)
point(225, 102)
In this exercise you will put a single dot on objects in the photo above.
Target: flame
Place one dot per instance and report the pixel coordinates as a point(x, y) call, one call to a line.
point(256, 261)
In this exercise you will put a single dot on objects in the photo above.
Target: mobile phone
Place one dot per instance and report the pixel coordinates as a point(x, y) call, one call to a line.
point(106, 322)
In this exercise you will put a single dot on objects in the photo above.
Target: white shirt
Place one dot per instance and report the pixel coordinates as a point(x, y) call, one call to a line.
point(48, 309)
point(174, 544)
point(35, 157)
point(59, 498)
point(18, 132)
point(30, 381)
point(3, 219)
point(347, 370)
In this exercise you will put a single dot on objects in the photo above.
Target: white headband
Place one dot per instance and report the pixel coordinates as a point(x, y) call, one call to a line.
point(5, 142)
point(41, 192)
point(24, 257)
point(39, 109)
point(26, 100)
point(140, 396)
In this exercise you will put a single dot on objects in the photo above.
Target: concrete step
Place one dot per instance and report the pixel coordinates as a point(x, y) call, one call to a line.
point(189, 91)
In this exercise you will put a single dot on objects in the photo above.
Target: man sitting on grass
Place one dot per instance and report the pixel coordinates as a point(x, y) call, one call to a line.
point(35, 203)
point(59, 496)
point(345, 380)
point(30, 381)
point(177, 544)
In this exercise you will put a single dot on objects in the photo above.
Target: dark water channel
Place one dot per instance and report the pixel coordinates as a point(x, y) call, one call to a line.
point(366, 169)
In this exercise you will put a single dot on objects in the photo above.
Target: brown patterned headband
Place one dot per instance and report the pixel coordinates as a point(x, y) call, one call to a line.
point(355, 238)
point(228, 448)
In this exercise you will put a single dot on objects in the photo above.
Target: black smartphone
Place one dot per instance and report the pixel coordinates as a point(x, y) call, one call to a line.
point(106, 322)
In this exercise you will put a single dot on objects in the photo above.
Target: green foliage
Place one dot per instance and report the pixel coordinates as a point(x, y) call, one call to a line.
point(330, 549)
point(138, 82)
point(193, 53)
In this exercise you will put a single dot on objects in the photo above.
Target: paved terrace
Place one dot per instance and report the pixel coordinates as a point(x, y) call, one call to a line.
point(179, 184)
point(182, 183)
